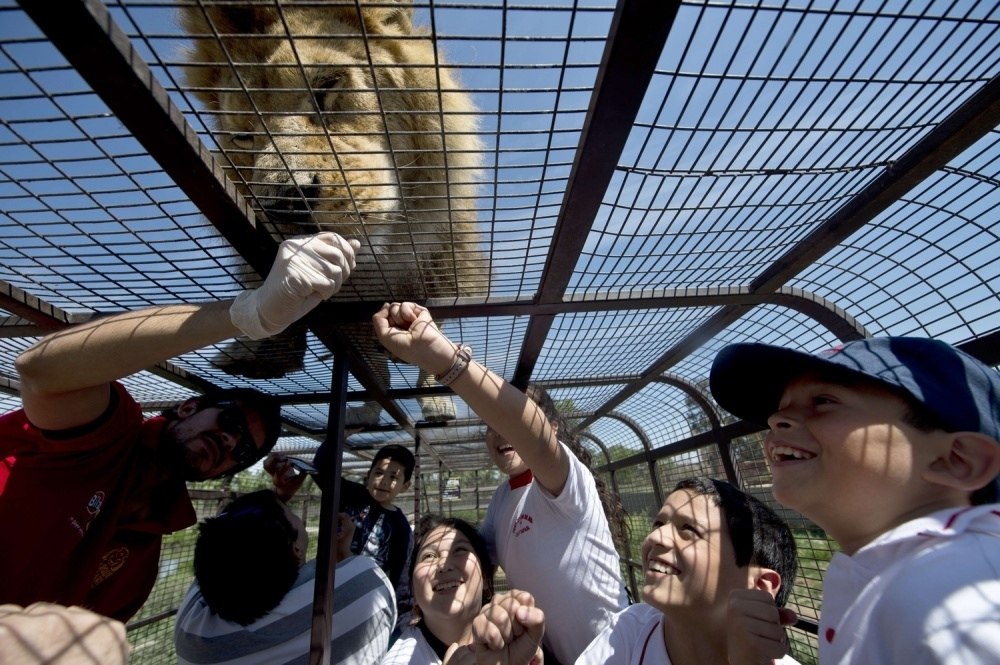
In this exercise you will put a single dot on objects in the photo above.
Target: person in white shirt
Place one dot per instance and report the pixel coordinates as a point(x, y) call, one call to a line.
point(718, 567)
point(456, 617)
point(892, 446)
point(547, 527)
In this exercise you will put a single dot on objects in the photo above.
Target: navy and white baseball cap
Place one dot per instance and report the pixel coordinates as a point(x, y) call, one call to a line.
point(748, 379)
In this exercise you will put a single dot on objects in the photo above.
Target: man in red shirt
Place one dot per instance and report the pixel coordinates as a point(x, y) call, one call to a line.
point(87, 488)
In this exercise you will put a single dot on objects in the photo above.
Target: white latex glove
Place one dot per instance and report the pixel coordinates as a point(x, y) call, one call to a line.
point(307, 271)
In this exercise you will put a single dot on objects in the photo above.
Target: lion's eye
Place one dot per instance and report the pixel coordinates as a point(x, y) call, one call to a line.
point(326, 90)
point(242, 141)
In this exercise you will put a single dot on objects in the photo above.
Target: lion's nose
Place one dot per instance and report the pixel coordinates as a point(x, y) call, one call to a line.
point(289, 202)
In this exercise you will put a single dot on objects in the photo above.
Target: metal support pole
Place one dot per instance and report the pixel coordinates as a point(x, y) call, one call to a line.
point(418, 480)
point(440, 488)
point(478, 516)
point(326, 555)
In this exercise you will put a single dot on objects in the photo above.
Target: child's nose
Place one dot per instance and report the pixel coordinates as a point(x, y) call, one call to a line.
point(783, 418)
point(659, 538)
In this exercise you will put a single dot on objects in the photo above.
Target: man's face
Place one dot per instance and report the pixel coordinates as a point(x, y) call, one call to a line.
point(844, 457)
point(503, 454)
point(386, 479)
point(688, 560)
point(210, 441)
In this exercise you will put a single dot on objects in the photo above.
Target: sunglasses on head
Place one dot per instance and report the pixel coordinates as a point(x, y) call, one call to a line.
point(232, 420)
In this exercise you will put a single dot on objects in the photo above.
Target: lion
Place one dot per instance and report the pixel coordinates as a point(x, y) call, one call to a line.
point(340, 116)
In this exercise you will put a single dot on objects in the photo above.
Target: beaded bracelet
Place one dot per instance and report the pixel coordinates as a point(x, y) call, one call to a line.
point(463, 356)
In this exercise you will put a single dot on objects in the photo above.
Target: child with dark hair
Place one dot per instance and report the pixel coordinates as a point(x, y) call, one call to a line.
point(382, 530)
point(718, 564)
point(892, 446)
point(546, 526)
point(257, 537)
point(251, 601)
point(456, 617)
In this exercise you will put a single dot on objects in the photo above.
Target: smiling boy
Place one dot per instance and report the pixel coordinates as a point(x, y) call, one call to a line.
point(891, 446)
point(383, 532)
point(717, 566)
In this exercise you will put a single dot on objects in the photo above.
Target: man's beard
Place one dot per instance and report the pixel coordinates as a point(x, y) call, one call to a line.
point(176, 457)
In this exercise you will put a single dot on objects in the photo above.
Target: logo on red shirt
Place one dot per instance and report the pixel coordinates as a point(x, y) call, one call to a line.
point(111, 562)
point(95, 503)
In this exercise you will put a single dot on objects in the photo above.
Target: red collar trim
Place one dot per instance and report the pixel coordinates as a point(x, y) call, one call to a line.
point(520, 480)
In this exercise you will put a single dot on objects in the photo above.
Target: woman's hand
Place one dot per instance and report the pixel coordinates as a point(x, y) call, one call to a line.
point(508, 631)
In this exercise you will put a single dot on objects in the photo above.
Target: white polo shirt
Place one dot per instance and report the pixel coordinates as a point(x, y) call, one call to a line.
point(635, 637)
point(927, 591)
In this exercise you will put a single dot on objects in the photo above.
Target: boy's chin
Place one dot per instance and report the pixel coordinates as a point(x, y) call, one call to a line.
point(382, 499)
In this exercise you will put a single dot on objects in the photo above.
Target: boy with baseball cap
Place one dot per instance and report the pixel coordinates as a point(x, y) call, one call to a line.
point(892, 446)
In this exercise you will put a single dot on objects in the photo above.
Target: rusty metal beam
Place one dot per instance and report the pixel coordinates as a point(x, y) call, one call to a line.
point(626, 69)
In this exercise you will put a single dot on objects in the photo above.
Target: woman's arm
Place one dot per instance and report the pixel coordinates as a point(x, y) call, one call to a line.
point(408, 331)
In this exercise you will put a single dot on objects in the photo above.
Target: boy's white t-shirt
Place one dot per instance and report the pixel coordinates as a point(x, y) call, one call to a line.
point(635, 637)
point(927, 591)
point(560, 550)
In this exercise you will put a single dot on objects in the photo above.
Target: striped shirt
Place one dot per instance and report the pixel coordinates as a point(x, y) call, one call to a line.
point(364, 614)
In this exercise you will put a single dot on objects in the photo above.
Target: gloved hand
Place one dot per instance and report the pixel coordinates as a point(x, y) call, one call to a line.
point(307, 271)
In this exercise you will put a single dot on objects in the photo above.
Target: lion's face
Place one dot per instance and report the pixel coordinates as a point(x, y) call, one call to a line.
point(303, 126)
point(328, 129)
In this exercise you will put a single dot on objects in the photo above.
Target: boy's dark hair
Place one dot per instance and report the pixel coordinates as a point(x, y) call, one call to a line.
point(396, 453)
point(923, 419)
point(758, 534)
point(244, 559)
point(267, 407)
point(614, 510)
point(430, 522)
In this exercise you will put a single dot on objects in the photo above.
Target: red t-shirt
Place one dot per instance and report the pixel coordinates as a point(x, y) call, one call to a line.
point(83, 517)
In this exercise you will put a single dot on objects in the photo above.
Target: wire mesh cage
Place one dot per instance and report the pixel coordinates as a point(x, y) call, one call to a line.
point(595, 196)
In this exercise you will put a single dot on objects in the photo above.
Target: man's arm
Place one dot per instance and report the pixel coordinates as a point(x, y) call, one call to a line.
point(65, 377)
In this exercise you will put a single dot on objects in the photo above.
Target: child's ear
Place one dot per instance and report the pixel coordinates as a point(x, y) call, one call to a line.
point(767, 580)
point(187, 408)
point(405, 486)
point(971, 461)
